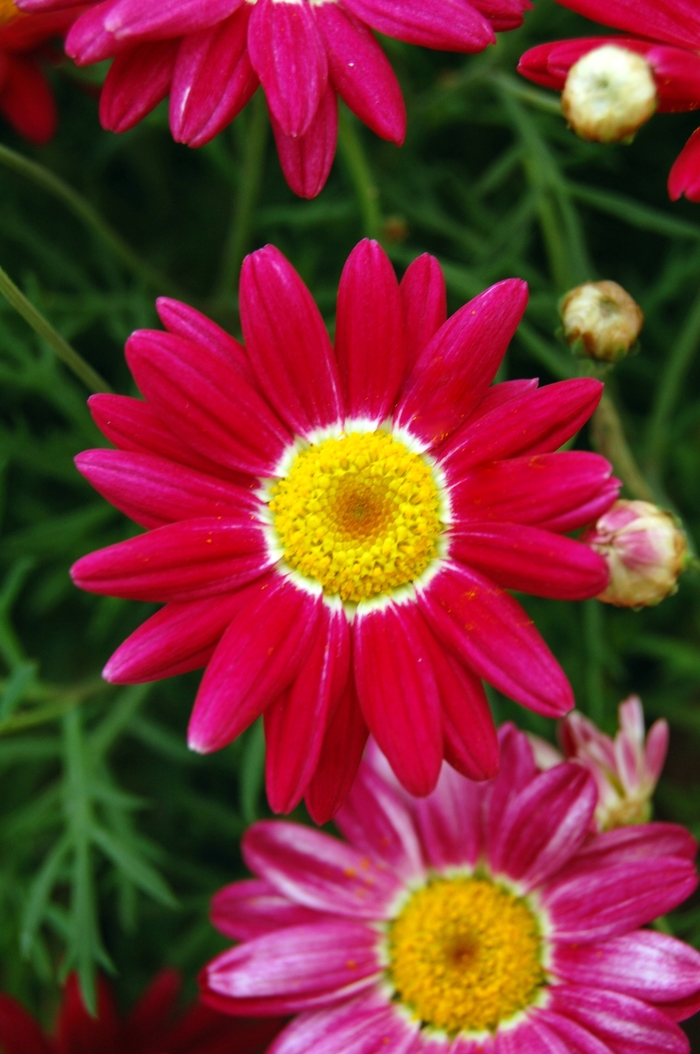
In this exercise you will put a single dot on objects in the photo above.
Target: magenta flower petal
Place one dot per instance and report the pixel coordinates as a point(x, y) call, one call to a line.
point(646, 965)
point(298, 966)
point(459, 603)
point(178, 638)
point(131, 424)
point(517, 770)
point(506, 491)
point(455, 369)
point(183, 321)
point(88, 39)
point(673, 21)
point(628, 1025)
point(361, 73)
point(448, 25)
point(399, 694)
point(587, 512)
point(543, 828)
point(684, 177)
point(375, 820)
point(449, 821)
point(503, 14)
point(640, 842)
point(212, 81)
point(295, 724)
point(369, 339)
point(306, 159)
point(318, 871)
point(136, 82)
point(496, 396)
point(288, 55)
point(593, 905)
point(470, 742)
point(286, 339)
point(257, 658)
point(132, 19)
point(424, 301)
point(341, 754)
point(181, 561)
point(190, 385)
point(253, 907)
point(154, 491)
point(363, 1025)
point(531, 560)
point(575, 1038)
point(536, 422)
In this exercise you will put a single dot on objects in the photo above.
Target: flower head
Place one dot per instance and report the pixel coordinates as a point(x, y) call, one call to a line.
point(645, 550)
point(482, 919)
point(152, 1027)
point(667, 38)
point(26, 99)
point(601, 319)
point(609, 94)
point(333, 530)
point(210, 56)
point(626, 769)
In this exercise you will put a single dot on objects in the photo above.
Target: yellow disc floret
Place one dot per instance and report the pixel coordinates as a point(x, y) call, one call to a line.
point(359, 513)
point(8, 12)
point(465, 955)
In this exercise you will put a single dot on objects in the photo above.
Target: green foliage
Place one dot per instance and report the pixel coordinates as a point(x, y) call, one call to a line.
point(112, 835)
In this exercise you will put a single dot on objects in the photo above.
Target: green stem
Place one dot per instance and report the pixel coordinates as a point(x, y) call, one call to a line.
point(669, 390)
point(608, 437)
point(243, 214)
point(358, 169)
point(45, 330)
point(85, 212)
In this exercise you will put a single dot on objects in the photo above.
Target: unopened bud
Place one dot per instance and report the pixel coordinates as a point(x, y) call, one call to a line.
point(609, 93)
point(8, 12)
point(645, 551)
point(601, 319)
point(626, 769)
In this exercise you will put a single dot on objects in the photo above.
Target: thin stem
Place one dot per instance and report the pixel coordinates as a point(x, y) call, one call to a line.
point(608, 437)
point(360, 174)
point(85, 212)
point(43, 328)
point(243, 214)
point(670, 389)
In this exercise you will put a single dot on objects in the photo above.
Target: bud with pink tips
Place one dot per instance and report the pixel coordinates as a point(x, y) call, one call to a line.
point(645, 550)
point(626, 769)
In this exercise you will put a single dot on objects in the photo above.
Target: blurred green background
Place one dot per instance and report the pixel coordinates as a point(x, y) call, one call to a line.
point(112, 835)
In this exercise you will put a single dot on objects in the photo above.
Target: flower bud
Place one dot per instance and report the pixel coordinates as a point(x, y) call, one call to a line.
point(645, 551)
point(626, 769)
point(602, 319)
point(8, 12)
point(609, 93)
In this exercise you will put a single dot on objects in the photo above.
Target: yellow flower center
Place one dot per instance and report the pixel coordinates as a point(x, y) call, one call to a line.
point(465, 955)
point(8, 12)
point(359, 513)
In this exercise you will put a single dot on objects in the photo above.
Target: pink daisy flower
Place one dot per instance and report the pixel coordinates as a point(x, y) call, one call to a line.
point(26, 99)
point(210, 56)
point(333, 530)
point(483, 919)
point(667, 36)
